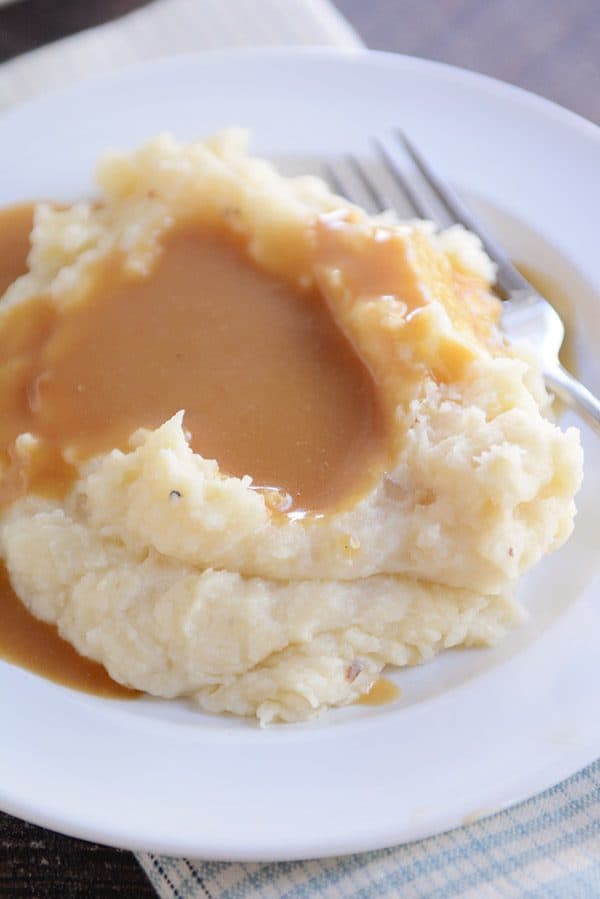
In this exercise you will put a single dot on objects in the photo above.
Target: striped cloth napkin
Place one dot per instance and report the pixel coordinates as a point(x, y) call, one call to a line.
point(546, 847)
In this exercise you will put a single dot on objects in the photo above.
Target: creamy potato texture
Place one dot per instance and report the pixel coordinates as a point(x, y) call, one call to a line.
point(184, 580)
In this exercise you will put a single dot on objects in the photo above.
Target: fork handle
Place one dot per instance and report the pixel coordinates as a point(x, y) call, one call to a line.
point(574, 394)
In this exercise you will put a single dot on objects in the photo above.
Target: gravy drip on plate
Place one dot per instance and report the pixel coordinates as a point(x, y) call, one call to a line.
point(37, 646)
point(270, 386)
point(382, 692)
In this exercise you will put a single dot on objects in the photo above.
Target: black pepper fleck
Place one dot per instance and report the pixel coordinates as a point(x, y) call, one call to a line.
point(174, 494)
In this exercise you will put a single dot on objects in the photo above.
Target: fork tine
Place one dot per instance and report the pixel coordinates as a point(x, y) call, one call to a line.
point(453, 205)
point(332, 176)
point(508, 278)
point(393, 167)
point(375, 195)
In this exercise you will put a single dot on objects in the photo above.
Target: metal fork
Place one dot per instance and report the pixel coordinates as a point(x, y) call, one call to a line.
point(526, 314)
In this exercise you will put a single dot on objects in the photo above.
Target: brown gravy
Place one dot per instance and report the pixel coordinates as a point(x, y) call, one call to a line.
point(382, 692)
point(270, 386)
point(15, 227)
point(35, 645)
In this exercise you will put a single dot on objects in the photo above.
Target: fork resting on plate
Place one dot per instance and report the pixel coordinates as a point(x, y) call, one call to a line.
point(526, 314)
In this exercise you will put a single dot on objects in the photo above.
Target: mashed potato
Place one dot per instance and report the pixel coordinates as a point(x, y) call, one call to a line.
point(184, 581)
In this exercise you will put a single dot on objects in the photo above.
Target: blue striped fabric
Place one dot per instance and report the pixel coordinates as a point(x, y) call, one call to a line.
point(546, 847)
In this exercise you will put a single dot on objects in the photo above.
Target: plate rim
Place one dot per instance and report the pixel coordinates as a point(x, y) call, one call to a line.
point(361, 54)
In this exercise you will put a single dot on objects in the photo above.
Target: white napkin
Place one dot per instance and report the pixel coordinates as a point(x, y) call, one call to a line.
point(167, 27)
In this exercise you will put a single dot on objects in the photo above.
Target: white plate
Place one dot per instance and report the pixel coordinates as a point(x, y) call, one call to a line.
point(474, 731)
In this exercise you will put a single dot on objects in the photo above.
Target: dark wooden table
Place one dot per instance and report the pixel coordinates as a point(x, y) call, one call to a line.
point(551, 47)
